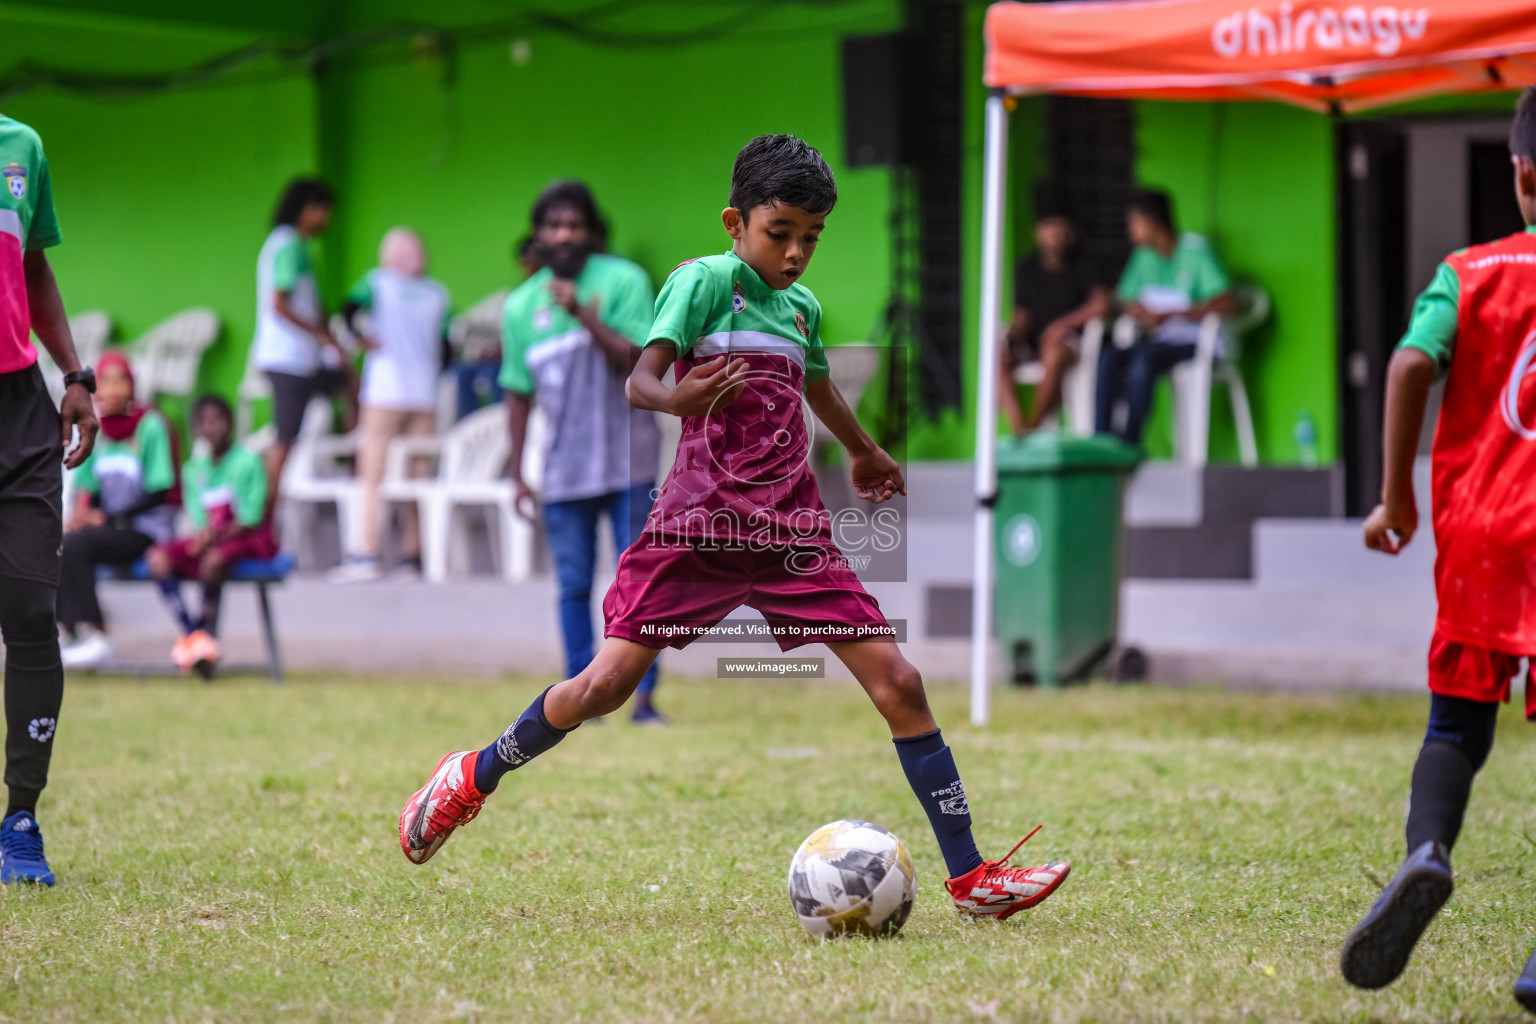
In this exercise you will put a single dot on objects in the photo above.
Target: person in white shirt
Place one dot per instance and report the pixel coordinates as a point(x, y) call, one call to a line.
point(403, 337)
point(293, 346)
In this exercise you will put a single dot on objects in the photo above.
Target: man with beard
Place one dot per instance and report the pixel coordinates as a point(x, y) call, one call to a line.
point(571, 334)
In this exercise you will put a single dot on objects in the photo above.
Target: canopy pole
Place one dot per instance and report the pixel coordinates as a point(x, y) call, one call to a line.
point(994, 205)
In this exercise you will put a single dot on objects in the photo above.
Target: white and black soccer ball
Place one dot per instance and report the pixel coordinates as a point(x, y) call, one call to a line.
point(852, 878)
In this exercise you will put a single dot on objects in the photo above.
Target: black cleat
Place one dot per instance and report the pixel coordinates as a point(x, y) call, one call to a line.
point(1378, 949)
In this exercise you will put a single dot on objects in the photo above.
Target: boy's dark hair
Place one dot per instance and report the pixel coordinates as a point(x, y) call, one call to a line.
point(1155, 205)
point(524, 247)
point(782, 169)
point(573, 195)
point(300, 193)
point(213, 402)
point(1522, 134)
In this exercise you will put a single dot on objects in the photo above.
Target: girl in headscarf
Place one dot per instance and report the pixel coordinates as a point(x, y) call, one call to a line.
point(127, 502)
point(403, 336)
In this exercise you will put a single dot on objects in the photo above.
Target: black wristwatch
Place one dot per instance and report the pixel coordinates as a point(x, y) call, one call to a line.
point(86, 378)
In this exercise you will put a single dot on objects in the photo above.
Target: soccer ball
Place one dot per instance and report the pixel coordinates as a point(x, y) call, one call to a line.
point(852, 878)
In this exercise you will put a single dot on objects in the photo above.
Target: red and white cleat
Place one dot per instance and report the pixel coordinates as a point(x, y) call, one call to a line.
point(994, 890)
point(448, 800)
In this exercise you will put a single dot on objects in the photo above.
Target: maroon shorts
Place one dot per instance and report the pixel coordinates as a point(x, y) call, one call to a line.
point(257, 543)
point(1475, 673)
point(666, 590)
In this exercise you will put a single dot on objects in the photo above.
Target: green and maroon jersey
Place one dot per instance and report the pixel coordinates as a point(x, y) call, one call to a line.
point(26, 223)
point(1477, 320)
point(742, 473)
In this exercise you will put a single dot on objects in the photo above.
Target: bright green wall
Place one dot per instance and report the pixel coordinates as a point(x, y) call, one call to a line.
point(163, 202)
point(1257, 180)
point(653, 132)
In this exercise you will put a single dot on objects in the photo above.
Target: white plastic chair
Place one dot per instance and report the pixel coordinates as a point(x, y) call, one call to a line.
point(1077, 395)
point(1217, 361)
point(473, 336)
point(477, 331)
point(166, 357)
point(471, 463)
point(316, 474)
point(90, 330)
point(254, 387)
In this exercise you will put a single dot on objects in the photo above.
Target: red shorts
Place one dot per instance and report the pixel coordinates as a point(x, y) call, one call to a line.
point(1475, 673)
point(666, 588)
point(257, 543)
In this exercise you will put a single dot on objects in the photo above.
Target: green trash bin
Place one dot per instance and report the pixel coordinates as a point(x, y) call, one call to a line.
point(1060, 553)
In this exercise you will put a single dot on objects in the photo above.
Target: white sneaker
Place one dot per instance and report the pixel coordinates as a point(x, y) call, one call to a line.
point(92, 652)
point(356, 570)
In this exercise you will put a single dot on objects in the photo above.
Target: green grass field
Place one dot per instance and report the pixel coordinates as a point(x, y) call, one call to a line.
point(228, 853)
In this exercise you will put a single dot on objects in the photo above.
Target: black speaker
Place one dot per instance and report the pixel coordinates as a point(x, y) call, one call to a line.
point(871, 100)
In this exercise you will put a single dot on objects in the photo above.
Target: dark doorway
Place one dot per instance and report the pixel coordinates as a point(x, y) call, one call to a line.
point(1413, 191)
point(1492, 211)
point(1373, 248)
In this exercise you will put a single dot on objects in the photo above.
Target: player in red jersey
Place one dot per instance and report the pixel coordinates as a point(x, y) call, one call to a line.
point(1476, 326)
point(740, 522)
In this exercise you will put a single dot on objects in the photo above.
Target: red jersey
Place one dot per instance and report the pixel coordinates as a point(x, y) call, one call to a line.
point(1484, 463)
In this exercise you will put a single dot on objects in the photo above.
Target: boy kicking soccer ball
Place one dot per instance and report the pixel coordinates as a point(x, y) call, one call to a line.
point(740, 522)
point(1476, 325)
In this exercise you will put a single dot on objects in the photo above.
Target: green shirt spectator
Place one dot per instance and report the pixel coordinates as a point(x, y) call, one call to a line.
point(234, 487)
point(120, 473)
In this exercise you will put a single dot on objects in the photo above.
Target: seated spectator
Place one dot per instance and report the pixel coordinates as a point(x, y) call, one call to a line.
point(475, 374)
point(1055, 293)
point(226, 501)
point(407, 315)
point(1170, 283)
point(127, 491)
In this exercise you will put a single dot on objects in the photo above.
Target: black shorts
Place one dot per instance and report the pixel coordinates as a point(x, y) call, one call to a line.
point(291, 394)
point(31, 479)
point(1027, 350)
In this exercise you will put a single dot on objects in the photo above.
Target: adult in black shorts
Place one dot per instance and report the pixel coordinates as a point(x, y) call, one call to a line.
point(33, 439)
point(1055, 293)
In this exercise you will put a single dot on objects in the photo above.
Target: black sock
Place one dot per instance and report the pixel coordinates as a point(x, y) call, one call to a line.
point(22, 799)
point(212, 593)
point(1442, 783)
point(524, 740)
point(930, 770)
point(1456, 743)
point(170, 592)
point(34, 687)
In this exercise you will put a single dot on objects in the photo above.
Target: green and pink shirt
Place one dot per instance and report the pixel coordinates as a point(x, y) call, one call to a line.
point(27, 223)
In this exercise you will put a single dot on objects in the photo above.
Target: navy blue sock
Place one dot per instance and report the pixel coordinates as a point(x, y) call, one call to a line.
point(931, 773)
point(170, 590)
point(524, 740)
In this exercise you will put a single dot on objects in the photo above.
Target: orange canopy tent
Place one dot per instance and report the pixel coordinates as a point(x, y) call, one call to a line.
point(1323, 55)
point(1327, 55)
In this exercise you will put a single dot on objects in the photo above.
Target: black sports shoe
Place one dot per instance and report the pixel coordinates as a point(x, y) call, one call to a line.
point(1378, 949)
point(1525, 987)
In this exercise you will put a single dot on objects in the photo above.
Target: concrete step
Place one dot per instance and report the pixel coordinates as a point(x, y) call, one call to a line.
point(1328, 553)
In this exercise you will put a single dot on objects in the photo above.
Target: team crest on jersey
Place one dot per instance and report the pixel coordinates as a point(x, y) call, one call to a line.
point(1509, 401)
point(16, 179)
point(542, 319)
point(738, 300)
point(805, 332)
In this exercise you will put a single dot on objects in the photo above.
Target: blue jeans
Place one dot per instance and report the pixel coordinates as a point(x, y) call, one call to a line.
point(1132, 372)
point(572, 529)
point(476, 385)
